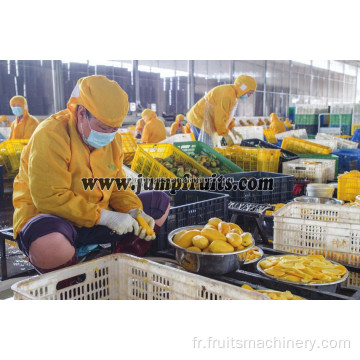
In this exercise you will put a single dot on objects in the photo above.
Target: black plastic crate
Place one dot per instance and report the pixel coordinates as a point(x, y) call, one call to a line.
point(190, 208)
point(285, 155)
point(282, 192)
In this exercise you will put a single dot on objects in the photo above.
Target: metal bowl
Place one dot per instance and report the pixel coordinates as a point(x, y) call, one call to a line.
point(323, 286)
point(318, 200)
point(206, 263)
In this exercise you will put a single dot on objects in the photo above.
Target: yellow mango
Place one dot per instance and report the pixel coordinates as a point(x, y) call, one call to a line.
point(234, 226)
point(236, 231)
point(274, 272)
point(291, 278)
point(234, 239)
point(240, 247)
point(212, 235)
point(177, 235)
point(224, 227)
point(185, 240)
point(247, 239)
point(247, 287)
point(206, 250)
point(219, 246)
point(214, 221)
point(207, 226)
point(200, 241)
point(194, 248)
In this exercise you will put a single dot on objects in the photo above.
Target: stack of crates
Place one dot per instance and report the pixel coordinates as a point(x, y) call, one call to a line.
point(308, 122)
point(334, 122)
point(300, 146)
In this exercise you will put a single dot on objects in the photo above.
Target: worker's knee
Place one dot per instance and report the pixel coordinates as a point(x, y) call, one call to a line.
point(51, 250)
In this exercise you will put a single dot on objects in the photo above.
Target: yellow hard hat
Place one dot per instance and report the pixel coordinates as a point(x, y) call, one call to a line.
point(103, 98)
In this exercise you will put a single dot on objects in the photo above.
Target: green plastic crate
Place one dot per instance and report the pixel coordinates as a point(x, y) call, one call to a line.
point(325, 157)
point(199, 148)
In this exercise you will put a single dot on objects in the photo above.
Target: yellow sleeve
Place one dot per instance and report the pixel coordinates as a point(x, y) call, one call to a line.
point(31, 126)
point(221, 115)
point(12, 130)
point(173, 129)
point(124, 200)
point(146, 134)
point(50, 181)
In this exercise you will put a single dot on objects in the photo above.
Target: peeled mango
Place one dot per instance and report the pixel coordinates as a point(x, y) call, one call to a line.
point(216, 236)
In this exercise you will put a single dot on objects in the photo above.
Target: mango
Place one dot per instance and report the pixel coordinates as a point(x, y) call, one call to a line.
point(194, 248)
point(207, 226)
point(219, 246)
point(206, 250)
point(200, 241)
point(234, 226)
point(236, 231)
point(212, 235)
point(224, 227)
point(247, 239)
point(234, 239)
point(177, 235)
point(214, 221)
point(185, 240)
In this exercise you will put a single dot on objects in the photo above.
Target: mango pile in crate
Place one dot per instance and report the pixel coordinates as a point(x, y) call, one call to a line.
point(310, 269)
point(216, 236)
point(178, 167)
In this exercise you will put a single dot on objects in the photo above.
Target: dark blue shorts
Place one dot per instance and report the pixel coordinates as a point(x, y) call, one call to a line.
point(155, 204)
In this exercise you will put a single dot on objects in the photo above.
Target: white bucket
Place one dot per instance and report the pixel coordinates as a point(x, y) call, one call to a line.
point(320, 190)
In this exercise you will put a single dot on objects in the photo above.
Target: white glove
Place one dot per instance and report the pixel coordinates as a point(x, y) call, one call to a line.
point(150, 221)
point(119, 222)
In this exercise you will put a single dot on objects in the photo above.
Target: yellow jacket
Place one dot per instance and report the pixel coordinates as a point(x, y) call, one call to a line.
point(24, 128)
point(177, 127)
point(277, 126)
point(52, 166)
point(154, 131)
point(187, 128)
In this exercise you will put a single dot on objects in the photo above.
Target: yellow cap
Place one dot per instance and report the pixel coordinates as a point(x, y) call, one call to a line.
point(245, 83)
point(179, 118)
point(20, 101)
point(103, 98)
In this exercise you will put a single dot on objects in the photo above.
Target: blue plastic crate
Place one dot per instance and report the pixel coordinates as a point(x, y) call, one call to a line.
point(349, 159)
point(283, 186)
point(356, 136)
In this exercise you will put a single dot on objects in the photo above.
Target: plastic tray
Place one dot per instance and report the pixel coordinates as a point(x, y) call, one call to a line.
point(317, 157)
point(129, 147)
point(145, 164)
point(282, 188)
point(10, 153)
point(321, 229)
point(190, 208)
point(285, 155)
point(299, 133)
point(329, 143)
point(320, 172)
point(252, 159)
point(300, 146)
point(199, 148)
point(349, 186)
point(349, 159)
point(270, 136)
point(341, 143)
point(126, 277)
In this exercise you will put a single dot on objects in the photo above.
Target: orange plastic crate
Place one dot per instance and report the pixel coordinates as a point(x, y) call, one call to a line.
point(252, 159)
point(300, 146)
point(349, 186)
point(129, 147)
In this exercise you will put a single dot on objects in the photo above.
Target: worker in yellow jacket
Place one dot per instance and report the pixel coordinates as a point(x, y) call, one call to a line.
point(55, 213)
point(154, 130)
point(288, 124)
point(4, 121)
point(212, 116)
point(178, 127)
point(25, 124)
point(276, 125)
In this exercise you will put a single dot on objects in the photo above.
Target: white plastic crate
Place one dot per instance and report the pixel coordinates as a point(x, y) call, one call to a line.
point(177, 138)
point(321, 229)
point(300, 133)
point(353, 281)
point(250, 132)
point(329, 143)
point(317, 173)
point(341, 143)
point(126, 277)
